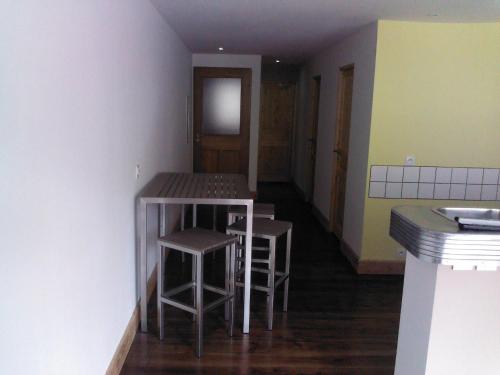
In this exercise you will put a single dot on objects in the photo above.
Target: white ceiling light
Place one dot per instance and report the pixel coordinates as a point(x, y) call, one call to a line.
point(277, 60)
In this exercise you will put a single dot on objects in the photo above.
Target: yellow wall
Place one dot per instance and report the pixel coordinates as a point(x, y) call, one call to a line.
point(436, 96)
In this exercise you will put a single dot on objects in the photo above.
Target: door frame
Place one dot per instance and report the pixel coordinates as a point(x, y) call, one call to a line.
point(334, 227)
point(201, 72)
point(312, 130)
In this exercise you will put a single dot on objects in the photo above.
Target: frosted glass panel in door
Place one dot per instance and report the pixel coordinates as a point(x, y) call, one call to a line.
point(221, 106)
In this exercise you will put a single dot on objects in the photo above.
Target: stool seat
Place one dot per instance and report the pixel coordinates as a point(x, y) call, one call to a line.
point(261, 227)
point(196, 240)
point(259, 209)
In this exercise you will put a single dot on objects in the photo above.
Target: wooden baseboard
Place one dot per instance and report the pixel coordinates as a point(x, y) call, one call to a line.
point(371, 267)
point(349, 253)
point(319, 216)
point(381, 267)
point(116, 364)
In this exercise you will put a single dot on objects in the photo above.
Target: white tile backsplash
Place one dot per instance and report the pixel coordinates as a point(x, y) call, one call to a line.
point(489, 192)
point(410, 190)
point(442, 191)
point(473, 192)
point(457, 191)
point(475, 176)
point(443, 175)
point(428, 182)
point(377, 190)
point(379, 173)
point(393, 190)
point(425, 191)
point(411, 174)
point(490, 176)
point(395, 174)
point(427, 174)
point(459, 175)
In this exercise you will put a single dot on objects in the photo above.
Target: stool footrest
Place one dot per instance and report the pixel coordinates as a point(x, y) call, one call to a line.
point(179, 305)
point(165, 298)
point(242, 259)
point(281, 279)
point(254, 248)
point(262, 288)
point(217, 302)
point(214, 289)
point(179, 289)
point(255, 287)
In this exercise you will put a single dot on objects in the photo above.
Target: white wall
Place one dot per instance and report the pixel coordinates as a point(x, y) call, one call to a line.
point(89, 89)
point(358, 49)
point(242, 61)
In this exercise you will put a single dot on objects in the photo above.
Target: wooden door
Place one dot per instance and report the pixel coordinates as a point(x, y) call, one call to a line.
point(341, 151)
point(312, 131)
point(277, 115)
point(221, 120)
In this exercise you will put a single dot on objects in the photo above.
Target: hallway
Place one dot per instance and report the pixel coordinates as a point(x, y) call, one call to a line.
point(337, 322)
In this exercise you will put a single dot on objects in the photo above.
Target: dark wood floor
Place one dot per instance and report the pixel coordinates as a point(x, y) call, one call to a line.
point(337, 323)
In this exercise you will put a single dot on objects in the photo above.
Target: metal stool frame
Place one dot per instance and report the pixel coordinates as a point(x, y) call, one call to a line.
point(272, 283)
point(197, 285)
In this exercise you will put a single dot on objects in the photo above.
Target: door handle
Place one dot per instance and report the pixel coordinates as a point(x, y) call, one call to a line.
point(197, 139)
point(338, 152)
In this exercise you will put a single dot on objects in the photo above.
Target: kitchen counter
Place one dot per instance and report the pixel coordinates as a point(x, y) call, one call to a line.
point(434, 238)
point(450, 321)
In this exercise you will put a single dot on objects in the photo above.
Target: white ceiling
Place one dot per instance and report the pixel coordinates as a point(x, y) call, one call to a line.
point(294, 30)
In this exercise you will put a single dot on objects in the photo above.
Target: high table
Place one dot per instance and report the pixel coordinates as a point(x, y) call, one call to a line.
point(194, 188)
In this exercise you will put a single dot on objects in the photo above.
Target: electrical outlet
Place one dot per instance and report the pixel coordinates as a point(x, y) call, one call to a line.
point(410, 160)
point(137, 171)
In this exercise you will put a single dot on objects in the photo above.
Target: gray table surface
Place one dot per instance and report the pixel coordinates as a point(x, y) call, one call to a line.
point(193, 188)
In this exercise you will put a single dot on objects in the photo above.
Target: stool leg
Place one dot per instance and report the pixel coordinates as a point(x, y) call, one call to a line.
point(287, 268)
point(183, 215)
point(232, 287)
point(270, 301)
point(214, 224)
point(269, 269)
point(239, 253)
point(193, 279)
point(199, 305)
point(159, 290)
point(227, 278)
point(195, 219)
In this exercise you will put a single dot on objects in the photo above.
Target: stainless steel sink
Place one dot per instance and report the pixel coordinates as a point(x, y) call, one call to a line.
point(468, 213)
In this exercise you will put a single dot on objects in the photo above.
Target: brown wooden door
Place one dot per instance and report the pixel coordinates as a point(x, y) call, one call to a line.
point(312, 131)
point(341, 151)
point(221, 120)
point(277, 115)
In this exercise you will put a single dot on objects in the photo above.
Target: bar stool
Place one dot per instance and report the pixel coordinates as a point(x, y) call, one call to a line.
point(197, 242)
point(261, 210)
point(264, 210)
point(270, 230)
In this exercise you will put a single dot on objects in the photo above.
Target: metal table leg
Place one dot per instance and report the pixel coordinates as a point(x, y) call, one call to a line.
point(143, 278)
point(248, 268)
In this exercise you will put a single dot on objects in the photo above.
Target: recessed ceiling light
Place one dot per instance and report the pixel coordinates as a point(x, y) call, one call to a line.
point(221, 49)
point(277, 60)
